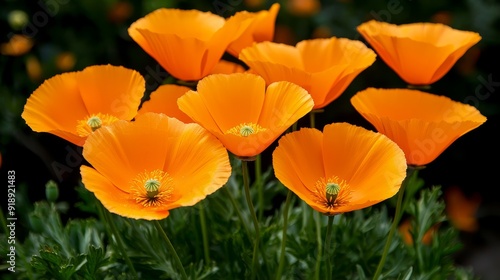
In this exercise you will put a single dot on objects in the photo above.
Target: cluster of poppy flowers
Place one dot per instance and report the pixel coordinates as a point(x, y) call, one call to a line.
point(173, 151)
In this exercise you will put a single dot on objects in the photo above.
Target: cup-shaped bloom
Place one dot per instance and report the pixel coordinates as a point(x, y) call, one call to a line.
point(245, 115)
point(342, 169)
point(261, 29)
point(324, 67)
point(72, 105)
point(187, 43)
point(143, 169)
point(164, 100)
point(422, 124)
point(420, 53)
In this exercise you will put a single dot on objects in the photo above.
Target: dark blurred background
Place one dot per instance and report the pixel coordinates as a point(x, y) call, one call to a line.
point(69, 35)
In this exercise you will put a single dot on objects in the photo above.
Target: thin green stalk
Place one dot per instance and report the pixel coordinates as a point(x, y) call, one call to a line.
point(238, 212)
point(171, 248)
point(328, 249)
point(204, 233)
point(397, 217)
point(260, 186)
point(312, 119)
point(320, 245)
point(283, 241)
point(246, 183)
point(119, 241)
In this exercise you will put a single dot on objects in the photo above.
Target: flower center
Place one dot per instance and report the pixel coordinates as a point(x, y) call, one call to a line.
point(93, 122)
point(331, 192)
point(152, 189)
point(245, 129)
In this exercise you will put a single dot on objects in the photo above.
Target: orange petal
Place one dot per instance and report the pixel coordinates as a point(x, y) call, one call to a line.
point(299, 168)
point(112, 90)
point(116, 200)
point(164, 100)
point(55, 107)
point(227, 67)
point(198, 164)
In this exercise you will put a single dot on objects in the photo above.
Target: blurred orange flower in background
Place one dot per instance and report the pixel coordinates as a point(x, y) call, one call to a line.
point(303, 8)
point(17, 45)
point(261, 29)
point(422, 124)
point(324, 67)
point(342, 169)
point(420, 53)
point(245, 115)
point(164, 100)
point(72, 105)
point(187, 43)
point(177, 165)
point(461, 210)
point(405, 229)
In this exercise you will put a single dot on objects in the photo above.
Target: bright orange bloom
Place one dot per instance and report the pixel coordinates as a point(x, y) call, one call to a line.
point(261, 29)
point(303, 7)
point(405, 229)
point(17, 45)
point(461, 210)
point(422, 124)
point(72, 105)
point(164, 100)
point(324, 67)
point(420, 53)
point(242, 113)
point(143, 169)
point(187, 43)
point(342, 169)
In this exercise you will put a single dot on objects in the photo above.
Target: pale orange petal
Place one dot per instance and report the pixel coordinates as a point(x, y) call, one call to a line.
point(55, 107)
point(227, 67)
point(116, 200)
point(192, 104)
point(112, 90)
point(164, 100)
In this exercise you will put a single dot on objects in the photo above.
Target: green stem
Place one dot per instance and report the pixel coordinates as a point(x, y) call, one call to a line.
point(204, 233)
point(328, 249)
point(246, 183)
point(238, 212)
point(119, 241)
point(312, 119)
point(320, 245)
point(260, 186)
point(171, 248)
point(283, 241)
point(395, 222)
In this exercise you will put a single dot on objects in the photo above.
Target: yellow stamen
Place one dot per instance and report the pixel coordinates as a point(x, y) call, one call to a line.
point(245, 129)
point(93, 122)
point(332, 192)
point(152, 189)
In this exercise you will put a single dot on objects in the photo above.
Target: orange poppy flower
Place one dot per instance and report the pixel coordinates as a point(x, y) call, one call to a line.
point(143, 169)
point(17, 45)
point(187, 43)
point(72, 105)
point(245, 115)
point(261, 29)
point(303, 8)
point(422, 124)
point(420, 53)
point(324, 67)
point(342, 169)
point(461, 210)
point(164, 100)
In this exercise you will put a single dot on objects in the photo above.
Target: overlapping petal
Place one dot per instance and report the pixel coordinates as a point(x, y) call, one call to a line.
point(61, 102)
point(367, 166)
point(164, 100)
point(420, 53)
point(195, 163)
point(187, 43)
point(228, 104)
point(324, 67)
point(422, 124)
